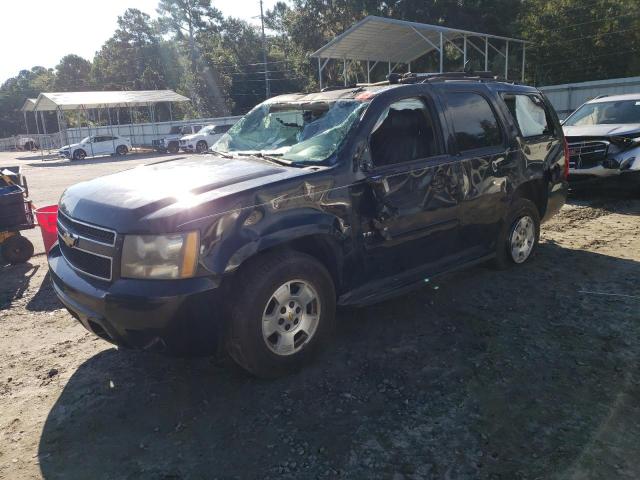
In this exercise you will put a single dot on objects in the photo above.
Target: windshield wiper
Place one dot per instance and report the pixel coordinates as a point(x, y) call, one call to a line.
point(270, 158)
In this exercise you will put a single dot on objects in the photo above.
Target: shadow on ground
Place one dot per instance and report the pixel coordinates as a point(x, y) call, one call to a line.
point(14, 281)
point(482, 374)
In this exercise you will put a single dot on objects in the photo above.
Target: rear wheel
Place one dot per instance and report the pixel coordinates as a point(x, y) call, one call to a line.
point(201, 146)
point(122, 150)
point(17, 249)
point(284, 310)
point(519, 235)
point(79, 154)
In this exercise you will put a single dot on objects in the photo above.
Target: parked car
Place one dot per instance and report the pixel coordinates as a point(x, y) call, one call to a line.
point(171, 143)
point(343, 197)
point(604, 140)
point(96, 145)
point(201, 141)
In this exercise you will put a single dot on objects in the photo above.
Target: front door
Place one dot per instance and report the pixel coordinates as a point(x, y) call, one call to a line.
point(413, 188)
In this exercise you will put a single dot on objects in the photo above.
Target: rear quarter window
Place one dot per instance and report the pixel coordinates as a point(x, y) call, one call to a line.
point(529, 114)
point(474, 121)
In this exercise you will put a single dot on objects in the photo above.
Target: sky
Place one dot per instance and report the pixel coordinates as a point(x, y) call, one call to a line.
point(41, 32)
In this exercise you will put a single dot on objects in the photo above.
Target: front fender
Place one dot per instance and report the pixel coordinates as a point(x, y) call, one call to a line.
point(239, 241)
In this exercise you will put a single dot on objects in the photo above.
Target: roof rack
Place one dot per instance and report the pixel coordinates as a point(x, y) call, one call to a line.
point(442, 77)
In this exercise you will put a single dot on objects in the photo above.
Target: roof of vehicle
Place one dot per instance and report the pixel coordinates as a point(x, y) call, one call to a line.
point(616, 98)
point(367, 92)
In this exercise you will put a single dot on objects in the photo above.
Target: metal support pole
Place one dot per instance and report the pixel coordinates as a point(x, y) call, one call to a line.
point(113, 141)
point(44, 130)
point(409, 67)
point(524, 55)
point(389, 67)
point(368, 73)
point(264, 55)
point(506, 61)
point(441, 53)
point(464, 55)
point(26, 124)
point(320, 72)
point(486, 54)
point(344, 70)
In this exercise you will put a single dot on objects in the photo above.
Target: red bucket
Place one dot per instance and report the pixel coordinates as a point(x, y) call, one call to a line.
point(48, 220)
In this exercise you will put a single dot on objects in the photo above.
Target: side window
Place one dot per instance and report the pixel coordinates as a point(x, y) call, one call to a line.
point(529, 114)
point(474, 121)
point(196, 128)
point(404, 132)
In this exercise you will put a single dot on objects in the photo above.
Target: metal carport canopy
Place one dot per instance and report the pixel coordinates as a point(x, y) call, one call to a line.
point(77, 100)
point(390, 40)
point(378, 39)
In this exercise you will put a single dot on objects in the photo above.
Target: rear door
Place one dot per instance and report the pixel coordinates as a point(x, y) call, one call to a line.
point(481, 143)
point(535, 128)
point(413, 187)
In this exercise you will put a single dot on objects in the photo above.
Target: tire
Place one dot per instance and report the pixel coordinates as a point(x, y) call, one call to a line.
point(79, 154)
point(249, 342)
point(17, 249)
point(521, 227)
point(173, 148)
point(201, 146)
point(121, 150)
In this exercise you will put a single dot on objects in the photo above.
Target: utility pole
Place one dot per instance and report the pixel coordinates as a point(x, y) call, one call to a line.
point(264, 55)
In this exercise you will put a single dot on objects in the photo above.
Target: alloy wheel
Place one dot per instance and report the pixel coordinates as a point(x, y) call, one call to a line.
point(522, 239)
point(290, 318)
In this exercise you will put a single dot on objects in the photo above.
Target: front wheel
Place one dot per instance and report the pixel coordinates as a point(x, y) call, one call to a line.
point(173, 148)
point(79, 155)
point(122, 150)
point(282, 313)
point(519, 234)
point(201, 146)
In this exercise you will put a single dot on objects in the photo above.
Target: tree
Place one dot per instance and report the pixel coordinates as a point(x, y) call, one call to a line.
point(134, 57)
point(73, 73)
point(194, 21)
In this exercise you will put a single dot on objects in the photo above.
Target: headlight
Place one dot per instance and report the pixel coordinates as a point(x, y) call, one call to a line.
point(160, 256)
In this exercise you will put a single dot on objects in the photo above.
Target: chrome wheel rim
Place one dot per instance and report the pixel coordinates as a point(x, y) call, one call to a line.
point(522, 240)
point(290, 318)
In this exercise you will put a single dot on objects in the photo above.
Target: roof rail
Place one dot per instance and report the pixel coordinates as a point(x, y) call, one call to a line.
point(432, 77)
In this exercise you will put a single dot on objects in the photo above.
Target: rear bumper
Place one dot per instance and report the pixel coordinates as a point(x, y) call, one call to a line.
point(179, 316)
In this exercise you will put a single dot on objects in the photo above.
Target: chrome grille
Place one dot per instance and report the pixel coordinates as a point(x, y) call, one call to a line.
point(90, 232)
point(87, 248)
point(588, 153)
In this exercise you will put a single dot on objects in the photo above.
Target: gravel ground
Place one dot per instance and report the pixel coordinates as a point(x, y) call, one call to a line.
point(531, 373)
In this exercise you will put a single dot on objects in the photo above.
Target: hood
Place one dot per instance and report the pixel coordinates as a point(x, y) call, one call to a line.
point(603, 130)
point(158, 198)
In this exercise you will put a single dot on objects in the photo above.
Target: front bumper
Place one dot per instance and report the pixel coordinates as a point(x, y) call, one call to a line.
point(64, 153)
point(608, 176)
point(179, 316)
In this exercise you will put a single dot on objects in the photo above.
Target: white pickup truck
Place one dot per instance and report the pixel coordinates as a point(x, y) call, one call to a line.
point(201, 141)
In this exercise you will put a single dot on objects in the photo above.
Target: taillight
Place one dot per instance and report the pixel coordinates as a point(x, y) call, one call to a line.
point(566, 159)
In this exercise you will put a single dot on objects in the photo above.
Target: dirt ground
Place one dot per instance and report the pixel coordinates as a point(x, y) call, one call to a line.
point(531, 373)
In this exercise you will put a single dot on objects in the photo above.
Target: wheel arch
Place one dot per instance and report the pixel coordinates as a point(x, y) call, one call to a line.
point(320, 241)
point(535, 190)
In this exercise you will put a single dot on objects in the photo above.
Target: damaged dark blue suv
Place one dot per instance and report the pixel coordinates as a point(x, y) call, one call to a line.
point(343, 197)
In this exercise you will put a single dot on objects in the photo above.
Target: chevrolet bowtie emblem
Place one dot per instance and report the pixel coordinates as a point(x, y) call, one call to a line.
point(69, 239)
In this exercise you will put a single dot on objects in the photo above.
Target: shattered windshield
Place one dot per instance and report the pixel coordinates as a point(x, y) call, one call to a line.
point(603, 113)
point(298, 132)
